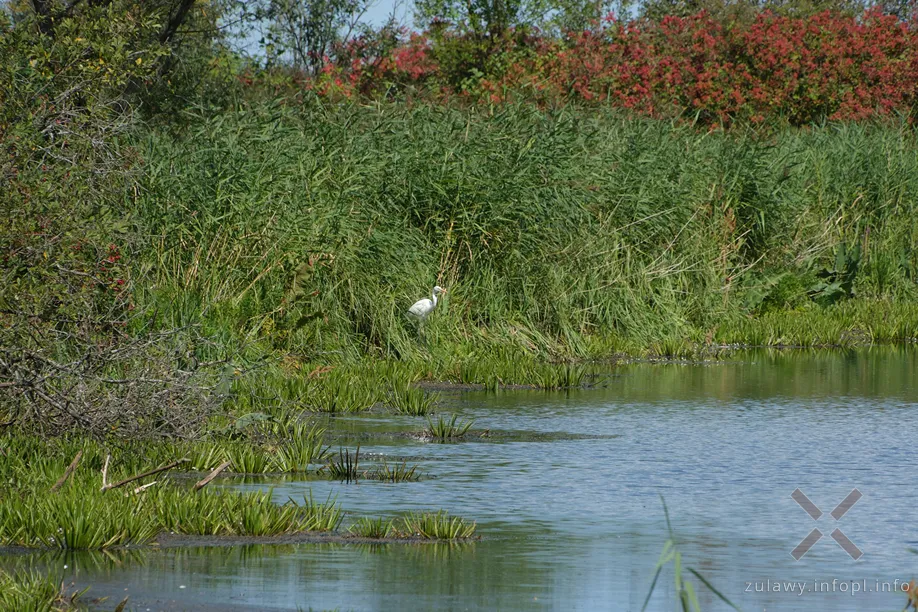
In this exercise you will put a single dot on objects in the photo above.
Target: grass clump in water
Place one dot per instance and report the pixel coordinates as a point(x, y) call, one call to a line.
point(444, 430)
point(345, 468)
point(369, 527)
point(76, 517)
point(80, 515)
point(306, 446)
point(247, 458)
point(398, 472)
point(437, 526)
point(405, 399)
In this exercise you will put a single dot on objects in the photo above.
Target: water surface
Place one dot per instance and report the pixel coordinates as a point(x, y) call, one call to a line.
point(566, 492)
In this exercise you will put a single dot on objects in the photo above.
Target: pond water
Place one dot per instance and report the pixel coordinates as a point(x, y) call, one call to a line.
point(567, 492)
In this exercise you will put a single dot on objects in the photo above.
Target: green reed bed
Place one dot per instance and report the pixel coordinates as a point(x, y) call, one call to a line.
point(85, 518)
point(405, 399)
point(559, 234)
point(305, 447)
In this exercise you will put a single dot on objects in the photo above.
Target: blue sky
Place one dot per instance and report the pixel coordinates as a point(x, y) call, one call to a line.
point(381, 10)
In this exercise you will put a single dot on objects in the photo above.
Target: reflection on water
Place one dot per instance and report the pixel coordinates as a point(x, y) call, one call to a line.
point(569, 504)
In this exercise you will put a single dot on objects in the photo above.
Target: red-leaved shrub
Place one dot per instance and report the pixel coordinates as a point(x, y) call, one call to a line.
point(799, 69)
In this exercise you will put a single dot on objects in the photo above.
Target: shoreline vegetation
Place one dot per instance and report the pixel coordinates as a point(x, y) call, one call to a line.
point(194, 237)
point(204, 255)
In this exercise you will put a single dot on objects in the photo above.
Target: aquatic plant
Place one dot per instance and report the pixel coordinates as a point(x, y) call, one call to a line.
point(80, 514)
point(204, 455)
point(75, 517)
point(247, 458)
point(398, 472)
point(405, 399)
point(319, 516)
point(256, 514)
point(338, 393)
point(305, 446)
point(451, 429)
point(437, 526)
point(368, 527)
point(345, 468)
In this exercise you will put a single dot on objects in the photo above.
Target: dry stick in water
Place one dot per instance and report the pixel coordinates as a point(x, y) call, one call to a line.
point(212, 475)
point(144, 475)
point(70, 469)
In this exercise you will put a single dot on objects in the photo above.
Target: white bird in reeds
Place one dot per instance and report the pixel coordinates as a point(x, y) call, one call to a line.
point(422, 308)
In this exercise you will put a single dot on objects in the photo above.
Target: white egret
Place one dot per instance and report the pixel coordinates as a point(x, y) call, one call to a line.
point(422, 308)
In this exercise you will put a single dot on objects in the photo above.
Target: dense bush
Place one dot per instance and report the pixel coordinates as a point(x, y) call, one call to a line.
point(795, 69)
point(75, 79)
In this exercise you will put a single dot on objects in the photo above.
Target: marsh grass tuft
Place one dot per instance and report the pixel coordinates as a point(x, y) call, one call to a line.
point(247, 458)
point(76, 517)
point(405, 399)
point(81, 516)
point(321, 516)
point(398, 472)
point(437, 526)
point(345, 468)
point(444, 430)
point(369, 527)
point(306, 446)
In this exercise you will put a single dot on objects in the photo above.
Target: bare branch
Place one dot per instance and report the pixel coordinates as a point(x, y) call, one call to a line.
point(144, 475)
point(203, 483)
point(70, 469)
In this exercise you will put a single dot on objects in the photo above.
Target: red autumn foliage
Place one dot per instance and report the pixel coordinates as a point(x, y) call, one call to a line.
point(798, 69)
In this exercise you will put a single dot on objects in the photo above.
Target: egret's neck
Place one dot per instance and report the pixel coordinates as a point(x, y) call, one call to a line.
point(433, 294)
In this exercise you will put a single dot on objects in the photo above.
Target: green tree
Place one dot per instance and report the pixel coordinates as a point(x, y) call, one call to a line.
point(303, 33)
